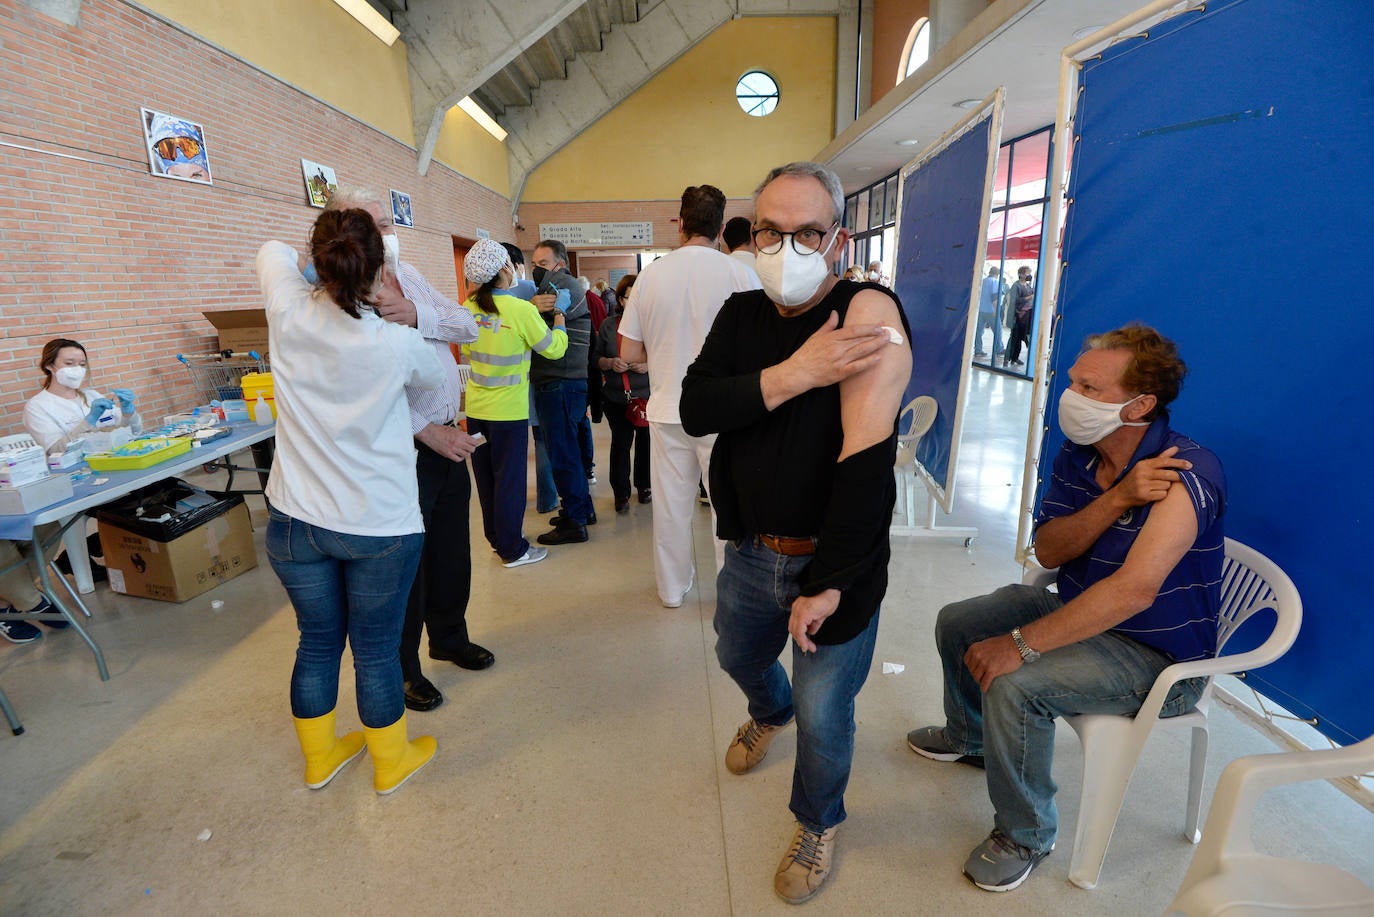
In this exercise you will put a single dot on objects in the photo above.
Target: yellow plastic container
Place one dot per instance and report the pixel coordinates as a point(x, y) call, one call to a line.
point(255, 384)
point(141, 453)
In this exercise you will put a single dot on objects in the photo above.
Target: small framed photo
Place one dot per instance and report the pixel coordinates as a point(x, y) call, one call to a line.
point(176, 147)
point(319, 182)
point(400, 209)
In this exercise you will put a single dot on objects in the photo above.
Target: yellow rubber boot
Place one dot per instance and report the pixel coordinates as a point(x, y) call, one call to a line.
point(394, 759)
point(325, 754)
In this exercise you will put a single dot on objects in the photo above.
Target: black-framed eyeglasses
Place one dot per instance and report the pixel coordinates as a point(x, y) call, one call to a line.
point(804, 241)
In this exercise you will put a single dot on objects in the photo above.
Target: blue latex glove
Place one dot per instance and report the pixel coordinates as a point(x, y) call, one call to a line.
point(98, 409)
point(126, 399)
point(563, 300)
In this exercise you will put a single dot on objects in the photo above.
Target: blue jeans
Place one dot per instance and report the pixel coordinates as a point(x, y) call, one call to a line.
point(545, 491)
point(498, 468)
point(754, 594)
point(585, 445)
point(345, 587)
point(1012, 725)
point(562, 404)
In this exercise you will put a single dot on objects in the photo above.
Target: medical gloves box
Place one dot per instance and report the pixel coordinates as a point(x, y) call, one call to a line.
point(217, 550)
point(31, 497)
point(240, 330)
point(21, 462)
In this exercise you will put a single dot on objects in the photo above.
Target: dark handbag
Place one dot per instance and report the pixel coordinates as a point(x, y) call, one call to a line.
point(636, 409)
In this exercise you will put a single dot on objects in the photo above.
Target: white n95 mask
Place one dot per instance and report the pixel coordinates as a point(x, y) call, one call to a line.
point(71, 376)
point(391, 245)
point(790, 278)
point(1085, 421)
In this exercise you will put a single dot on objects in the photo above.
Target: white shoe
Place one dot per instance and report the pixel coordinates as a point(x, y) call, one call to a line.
point(691, 581)
point(533, 556)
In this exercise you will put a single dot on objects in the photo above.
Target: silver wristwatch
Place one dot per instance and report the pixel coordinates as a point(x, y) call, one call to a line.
point(1022, 647)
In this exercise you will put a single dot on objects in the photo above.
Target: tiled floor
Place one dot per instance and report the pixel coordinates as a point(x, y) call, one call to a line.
point(580, 775)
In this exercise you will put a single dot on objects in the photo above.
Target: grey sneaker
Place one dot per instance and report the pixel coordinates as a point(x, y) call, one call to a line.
point(999, 864)
point(930, 742)
point(532, 556)
point(750, 745)
point(806, 864)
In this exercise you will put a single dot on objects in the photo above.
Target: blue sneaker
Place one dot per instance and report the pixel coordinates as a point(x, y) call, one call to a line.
point(999, 864)
point(46, 606)
point(18, 631)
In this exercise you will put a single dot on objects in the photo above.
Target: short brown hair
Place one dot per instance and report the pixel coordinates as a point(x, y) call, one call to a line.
point(1155, 367)
point(703, 210)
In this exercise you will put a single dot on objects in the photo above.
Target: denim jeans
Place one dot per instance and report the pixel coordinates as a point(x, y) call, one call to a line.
point(1012, 725)
point(754, 596)
point(345, 587)
point(499, 466)
point(545, 491)
point(562, 404)
point(585, 445)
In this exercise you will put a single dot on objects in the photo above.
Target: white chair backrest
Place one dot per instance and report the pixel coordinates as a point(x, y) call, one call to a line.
point(1251, 582)
point(923, 409)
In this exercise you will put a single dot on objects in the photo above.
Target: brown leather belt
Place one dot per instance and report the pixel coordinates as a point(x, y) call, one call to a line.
point(788, 546)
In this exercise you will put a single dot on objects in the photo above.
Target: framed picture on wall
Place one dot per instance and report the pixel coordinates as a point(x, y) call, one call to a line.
point(400, 209)
point(176, 147)
point(319, 182)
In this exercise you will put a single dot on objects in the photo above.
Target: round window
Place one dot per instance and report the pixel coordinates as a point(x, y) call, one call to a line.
point(757, 93)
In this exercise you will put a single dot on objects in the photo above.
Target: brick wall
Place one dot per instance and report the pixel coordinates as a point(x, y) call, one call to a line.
point(97, 249)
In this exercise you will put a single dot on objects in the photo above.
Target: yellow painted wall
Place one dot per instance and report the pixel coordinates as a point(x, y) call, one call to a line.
point(317, 47)
point(467, 147)
point(684, 126)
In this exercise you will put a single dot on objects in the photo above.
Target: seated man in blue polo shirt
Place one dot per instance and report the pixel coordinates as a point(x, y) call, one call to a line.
point(1133, 520)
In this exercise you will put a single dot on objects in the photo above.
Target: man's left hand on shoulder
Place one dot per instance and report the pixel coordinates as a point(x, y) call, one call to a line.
point(808, 614)
point(391, 302)
point(990, 658)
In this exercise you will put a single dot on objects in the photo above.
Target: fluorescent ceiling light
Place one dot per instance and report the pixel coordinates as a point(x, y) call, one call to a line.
point(1080, 34)
point(376, 23)
point(910, 142)
point(967, 104)
point(481, 117)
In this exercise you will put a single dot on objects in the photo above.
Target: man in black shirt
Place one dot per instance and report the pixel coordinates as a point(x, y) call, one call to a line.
point(1021, 304)
point(802, 381)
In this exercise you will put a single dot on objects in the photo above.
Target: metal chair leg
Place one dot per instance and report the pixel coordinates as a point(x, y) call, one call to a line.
point(15, 726)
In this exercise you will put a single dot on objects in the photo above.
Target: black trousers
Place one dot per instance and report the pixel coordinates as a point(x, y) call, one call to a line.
point(1020, 334)
point(623, 434)
point(439, 595)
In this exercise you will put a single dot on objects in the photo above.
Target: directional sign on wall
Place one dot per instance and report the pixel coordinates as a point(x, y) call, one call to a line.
point(580, 235)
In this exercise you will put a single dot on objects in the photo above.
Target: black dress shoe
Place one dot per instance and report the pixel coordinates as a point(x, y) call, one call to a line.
point(471, 657)
point(561, 517)
point(622, 505)
point(422, 695)
point(646, 495)
point(564, 533)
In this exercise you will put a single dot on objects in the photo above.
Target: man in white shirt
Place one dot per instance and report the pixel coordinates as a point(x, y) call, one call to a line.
point(439, 595)
point(675, 300)
point(739, 240)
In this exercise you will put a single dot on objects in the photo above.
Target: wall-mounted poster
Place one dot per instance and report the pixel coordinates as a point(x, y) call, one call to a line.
point(319, 182)
point(176, 147)
point(400, 208)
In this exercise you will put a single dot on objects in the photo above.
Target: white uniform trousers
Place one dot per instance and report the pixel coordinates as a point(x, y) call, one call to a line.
point(676, 462)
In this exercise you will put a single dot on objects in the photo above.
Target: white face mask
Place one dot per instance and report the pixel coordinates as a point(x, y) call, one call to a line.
point(791, 279)
point(391, 245)
point(70, 376)
point(1085, 421)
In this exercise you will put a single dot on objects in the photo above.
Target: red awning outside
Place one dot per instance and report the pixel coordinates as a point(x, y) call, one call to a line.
point(1022, 227)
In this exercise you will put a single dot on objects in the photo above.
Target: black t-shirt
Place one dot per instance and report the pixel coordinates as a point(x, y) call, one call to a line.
point(776, 472)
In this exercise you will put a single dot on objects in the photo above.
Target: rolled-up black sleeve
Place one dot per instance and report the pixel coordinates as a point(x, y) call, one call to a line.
point(716, 395)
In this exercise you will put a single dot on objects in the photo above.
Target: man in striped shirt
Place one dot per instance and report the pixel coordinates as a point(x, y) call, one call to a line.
point(1133, 520)
point(439, 595)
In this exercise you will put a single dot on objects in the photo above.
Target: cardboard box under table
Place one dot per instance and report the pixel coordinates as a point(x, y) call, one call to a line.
point(173, 542)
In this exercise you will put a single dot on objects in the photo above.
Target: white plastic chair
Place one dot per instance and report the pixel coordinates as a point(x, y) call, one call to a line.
point(1112, 744)
point(1229, 877)
point(923, 410)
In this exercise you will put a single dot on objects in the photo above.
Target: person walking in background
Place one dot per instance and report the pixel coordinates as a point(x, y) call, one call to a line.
point(674, 302)
point(509, 330)
point(1021, 307)
point(344, 533)
point(989, 297)
point(622, 381)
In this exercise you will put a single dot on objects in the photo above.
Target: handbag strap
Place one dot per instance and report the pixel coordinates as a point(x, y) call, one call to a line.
point(625, 378)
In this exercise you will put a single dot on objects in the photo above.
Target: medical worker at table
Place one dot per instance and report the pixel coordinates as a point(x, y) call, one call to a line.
point(344, 532)
point(64, 410)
